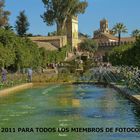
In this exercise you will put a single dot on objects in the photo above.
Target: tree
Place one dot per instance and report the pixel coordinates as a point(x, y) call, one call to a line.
point(52, 33)
point(121, 56)
point(7, 41)
point(58, 11)
point(22, 24)
point(7, 56)
point(8, 27)
point(3, 14)
point(83, 35)
point(18, 52)
point(126, 54)
point(135, 33)
point(88, 45)
point(118, 29)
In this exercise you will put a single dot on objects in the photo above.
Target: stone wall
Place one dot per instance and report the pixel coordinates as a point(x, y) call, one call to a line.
point(106, 47)
point(57, 41)
point(6, 92)
point(112, 44)
point(60, 41)
point(72, 31)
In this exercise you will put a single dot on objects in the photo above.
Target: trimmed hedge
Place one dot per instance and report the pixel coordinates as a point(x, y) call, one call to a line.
point(126, 54)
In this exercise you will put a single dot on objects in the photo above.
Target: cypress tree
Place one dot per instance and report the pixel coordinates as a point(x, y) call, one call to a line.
point(22, 24)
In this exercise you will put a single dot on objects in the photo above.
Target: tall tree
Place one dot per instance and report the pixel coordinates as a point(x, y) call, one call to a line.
point(3, 14)
point(118, 29)
point(22, 24)
point(135, 33)
point(58, 11)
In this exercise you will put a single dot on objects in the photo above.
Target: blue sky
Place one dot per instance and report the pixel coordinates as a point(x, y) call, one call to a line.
point(126, 11)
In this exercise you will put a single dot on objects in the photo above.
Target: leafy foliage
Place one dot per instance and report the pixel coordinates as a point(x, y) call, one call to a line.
point(7, 56)
point(8, 27)
point(88, 45)
point(18, 52)
point(126, 55)
point(136, 33)
point(118, 29)
point(58, 11)
point(22, 24)
point(3, 14)
point(53, 56)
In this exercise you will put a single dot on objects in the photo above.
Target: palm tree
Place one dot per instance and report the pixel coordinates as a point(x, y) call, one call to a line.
point(118, 29)
point(135, 33)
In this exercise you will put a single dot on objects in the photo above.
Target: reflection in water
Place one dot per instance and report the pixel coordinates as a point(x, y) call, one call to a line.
point(67, 106)
point(75, 103)
point(64, 102)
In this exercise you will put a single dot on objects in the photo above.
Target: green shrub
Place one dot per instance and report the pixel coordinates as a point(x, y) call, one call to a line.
point(17, 52)
point(126, 54)
point(88, 45)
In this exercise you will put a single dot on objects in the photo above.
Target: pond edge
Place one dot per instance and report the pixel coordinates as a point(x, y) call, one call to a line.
point(134, 98)
point(7, 91)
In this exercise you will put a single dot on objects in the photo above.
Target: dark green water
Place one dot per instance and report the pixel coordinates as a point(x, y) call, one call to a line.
point(68, 106)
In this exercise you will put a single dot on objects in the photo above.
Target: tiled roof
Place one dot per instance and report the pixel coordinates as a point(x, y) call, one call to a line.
point(110, 36)
point(46, 45)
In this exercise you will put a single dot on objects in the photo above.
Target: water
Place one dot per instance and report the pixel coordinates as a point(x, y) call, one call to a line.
point(67, 107)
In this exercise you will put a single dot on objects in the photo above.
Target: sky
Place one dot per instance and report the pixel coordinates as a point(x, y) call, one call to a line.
point(125, 11)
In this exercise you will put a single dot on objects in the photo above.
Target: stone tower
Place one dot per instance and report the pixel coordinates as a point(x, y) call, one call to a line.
point(104, 26)
point(72, 31)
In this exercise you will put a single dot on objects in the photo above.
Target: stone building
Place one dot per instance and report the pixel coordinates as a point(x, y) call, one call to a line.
point(104, 37)
point(106, 41)
point(55, 42)
point(50, 42)
point(72, 31)
point(104, 26)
